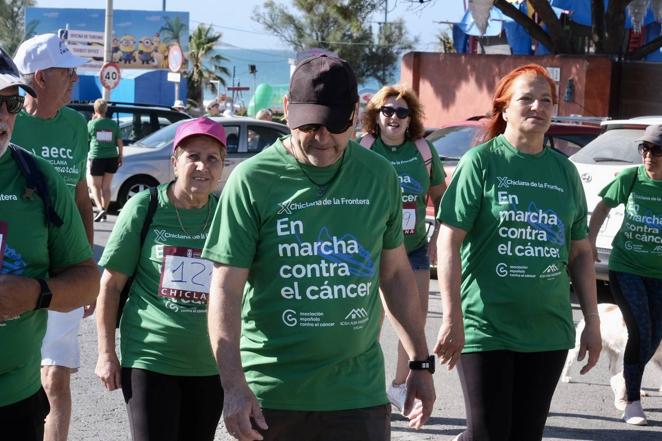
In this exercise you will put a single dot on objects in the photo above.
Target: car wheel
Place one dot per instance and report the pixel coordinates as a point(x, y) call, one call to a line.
point(134, 185)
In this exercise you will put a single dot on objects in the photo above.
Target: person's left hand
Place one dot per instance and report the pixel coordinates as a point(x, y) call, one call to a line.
point(419, 385)
point(88, 310)
point(120, 161)
point(590, 341)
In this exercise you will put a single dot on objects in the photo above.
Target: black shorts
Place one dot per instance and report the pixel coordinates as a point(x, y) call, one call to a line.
point(101, 166)
point(25, 420)
point(367, 424)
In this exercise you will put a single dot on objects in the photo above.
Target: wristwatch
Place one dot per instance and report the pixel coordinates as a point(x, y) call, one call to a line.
point(45, 295)
point(419, 365)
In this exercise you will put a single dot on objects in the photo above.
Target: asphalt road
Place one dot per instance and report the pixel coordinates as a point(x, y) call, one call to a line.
point(581, 410)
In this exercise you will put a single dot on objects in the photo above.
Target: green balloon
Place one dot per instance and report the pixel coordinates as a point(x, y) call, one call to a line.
point(261, 99)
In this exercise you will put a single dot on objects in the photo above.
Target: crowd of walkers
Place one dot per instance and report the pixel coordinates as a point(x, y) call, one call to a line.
point(265, 306)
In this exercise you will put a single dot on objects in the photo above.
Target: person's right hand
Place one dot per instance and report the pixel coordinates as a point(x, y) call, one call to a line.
point(239, 406)
point(450, 342)
point(109, 371)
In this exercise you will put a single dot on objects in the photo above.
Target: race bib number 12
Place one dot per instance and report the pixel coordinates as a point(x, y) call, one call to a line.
point(185, 275)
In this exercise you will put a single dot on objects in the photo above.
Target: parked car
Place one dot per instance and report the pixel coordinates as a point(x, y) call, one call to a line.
point(147, 162)
point(598, 163)
point(454, 140)
point(135, 120)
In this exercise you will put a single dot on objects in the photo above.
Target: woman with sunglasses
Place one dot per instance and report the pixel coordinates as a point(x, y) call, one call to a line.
point(168, 373)
point(513, 236)
point(635, 262)
point(393, 121)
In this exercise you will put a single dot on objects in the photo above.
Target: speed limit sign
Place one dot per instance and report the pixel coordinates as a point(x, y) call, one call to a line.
point(110, 75)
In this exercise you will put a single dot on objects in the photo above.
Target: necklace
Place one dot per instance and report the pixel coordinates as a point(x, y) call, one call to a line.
point(323, 187)
point(204, 227)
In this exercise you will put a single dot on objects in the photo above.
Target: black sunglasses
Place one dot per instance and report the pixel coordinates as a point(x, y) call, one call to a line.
point(311, 128)
point(400, 112)
point(14, 102)
point(647, 147)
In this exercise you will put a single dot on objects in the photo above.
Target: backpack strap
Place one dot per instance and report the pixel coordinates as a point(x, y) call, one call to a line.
point(634, 181)
point(424, 149)
point(35, 182)
point(151, 208)
point(367, 141)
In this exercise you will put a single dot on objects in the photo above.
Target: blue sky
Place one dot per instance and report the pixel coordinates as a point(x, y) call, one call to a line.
point(234, 18)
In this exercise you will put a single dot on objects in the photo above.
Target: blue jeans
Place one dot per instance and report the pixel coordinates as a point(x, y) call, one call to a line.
point(640, 301)
point(419, 259)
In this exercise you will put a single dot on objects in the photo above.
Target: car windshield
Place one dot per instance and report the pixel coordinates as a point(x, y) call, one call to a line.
point(160, 138)
point(616, 146)
point(453, 142)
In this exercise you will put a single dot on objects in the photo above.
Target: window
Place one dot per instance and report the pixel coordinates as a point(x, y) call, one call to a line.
point(260, 137)
point(232, 134)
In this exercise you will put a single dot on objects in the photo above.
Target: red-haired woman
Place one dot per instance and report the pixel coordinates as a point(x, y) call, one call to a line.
point(513, 236)
point(393, 120)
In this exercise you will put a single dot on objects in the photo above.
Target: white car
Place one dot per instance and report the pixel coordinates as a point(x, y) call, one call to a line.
point(147, 162)
point(599, 162)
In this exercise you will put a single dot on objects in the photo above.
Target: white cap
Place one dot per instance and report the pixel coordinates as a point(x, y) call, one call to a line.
point(45, 51)
point(179, 104)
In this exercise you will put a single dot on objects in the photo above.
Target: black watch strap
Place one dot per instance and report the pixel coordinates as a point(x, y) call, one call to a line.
point(45, 295)
point(419, 365)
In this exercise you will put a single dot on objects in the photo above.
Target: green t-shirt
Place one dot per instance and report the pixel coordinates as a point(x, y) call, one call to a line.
point(311, 310)
point(637, 247)
point(164, 323)
point(31, 248)
point(61, 140)
point(103, 134)
point(520, 212)
point(415, 182)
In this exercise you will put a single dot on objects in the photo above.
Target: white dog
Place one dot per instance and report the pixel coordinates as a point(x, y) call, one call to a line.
point(614, 338)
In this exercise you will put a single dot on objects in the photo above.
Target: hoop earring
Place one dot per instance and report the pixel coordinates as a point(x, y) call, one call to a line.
point(407, 133)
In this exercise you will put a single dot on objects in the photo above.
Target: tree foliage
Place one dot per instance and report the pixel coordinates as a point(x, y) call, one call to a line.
point(12, 16)
point(204, 66)
point(445, 43)
point(343, 27)
point(172, 30)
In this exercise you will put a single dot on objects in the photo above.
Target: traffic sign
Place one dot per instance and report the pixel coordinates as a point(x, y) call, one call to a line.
point(175, 58)
point(174, 77)
point(110, 75)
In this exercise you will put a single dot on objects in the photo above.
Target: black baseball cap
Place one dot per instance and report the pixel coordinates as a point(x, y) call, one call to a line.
point(10, 76)
point(322, 91)
point(653, 135)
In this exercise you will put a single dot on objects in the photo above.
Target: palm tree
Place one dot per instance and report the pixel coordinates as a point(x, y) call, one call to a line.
point(172, 30)
point(12, 23)
point(205, 66)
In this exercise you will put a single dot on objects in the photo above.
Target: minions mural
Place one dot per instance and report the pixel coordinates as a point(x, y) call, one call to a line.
point(140, 39)
point(116, 53)
point(128, 48)
point(146, 50)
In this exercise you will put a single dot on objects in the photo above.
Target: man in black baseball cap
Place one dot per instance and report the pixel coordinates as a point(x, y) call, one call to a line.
point(306, 234)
